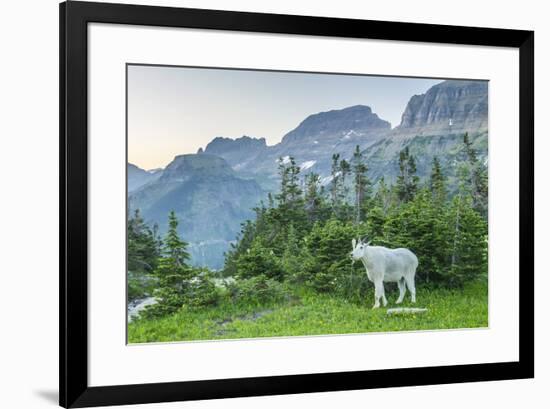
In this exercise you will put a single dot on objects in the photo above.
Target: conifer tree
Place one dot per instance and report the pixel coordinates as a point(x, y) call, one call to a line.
point(407, 181)
point(468, 237)
point(313, 197)
point(282, 196)
point(143, 245)
point(345, 170)
point(468, 252)
point(384, 196)
point(437, 182)
point(291, 255)
point(259, 261)
point(290, 191)
point(142, 254)
point(270, 200)
point(172, 271)
point(294, 190)
point(361, 183)
point(243, 243)
point(335, 175)
point(478, 178)
point(290, 204)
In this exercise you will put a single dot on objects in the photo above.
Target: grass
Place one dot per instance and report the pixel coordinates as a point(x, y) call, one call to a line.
point(314, 314)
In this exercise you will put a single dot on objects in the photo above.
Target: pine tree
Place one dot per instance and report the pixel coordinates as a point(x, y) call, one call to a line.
point(468, 236)
point(290, 191)
point(290, 204)
point(270, 200)
point(313, 197)
point(361, 184)
point(175, 249)
point(345, 170)
point(142, 254)
point(259, 261)
point(243, 242)
point(172, 272)
point(469, 149)
point(339, 189)
point(478, 178)
point(282, 196)
point(327, 254)
point(384, 196)
point(291, 255)
point(407, 181)
point(468, 252)
point(437, 182)
point(294, 190)
point(335, 195)
point(143, 245)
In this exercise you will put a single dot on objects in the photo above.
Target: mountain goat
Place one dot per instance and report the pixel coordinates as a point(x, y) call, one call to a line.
point(389, 265)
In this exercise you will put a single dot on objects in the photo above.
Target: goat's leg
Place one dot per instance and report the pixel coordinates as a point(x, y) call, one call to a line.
point(378, 293)
point(410, 285)
point(402, 290)
point(376, 301)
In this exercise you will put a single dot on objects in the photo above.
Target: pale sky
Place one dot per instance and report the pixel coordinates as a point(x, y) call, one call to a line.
point(176, 110)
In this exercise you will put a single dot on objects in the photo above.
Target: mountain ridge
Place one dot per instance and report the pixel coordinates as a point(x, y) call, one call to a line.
point(210, 201)
point(244, 169)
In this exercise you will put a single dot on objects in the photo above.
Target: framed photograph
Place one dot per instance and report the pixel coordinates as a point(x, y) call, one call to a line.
point(257, 204)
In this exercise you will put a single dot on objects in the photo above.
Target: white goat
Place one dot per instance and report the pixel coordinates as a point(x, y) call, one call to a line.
point(387, 265)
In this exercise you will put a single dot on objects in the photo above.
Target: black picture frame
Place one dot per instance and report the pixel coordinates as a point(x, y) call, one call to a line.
point(73, 257)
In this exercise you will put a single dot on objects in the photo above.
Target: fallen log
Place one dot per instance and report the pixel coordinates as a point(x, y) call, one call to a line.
point(397, 311)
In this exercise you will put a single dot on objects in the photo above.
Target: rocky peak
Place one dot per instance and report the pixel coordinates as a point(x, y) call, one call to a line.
point(195, 165)
point(357, 118)
point(236, 151)
point(448, 107)
point(224, 145)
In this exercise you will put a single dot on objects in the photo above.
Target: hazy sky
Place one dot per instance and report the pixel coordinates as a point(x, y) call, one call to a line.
point(174, 110)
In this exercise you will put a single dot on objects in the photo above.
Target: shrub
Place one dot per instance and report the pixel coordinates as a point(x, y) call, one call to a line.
point(201, 292)
point(328, 247)
point(257, 290)
point(258, 261)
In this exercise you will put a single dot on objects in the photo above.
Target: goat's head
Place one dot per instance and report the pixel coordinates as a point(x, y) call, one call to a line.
point(359, 248)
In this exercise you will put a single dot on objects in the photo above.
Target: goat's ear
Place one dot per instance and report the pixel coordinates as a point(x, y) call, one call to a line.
point(353, 243)
point(368, 244)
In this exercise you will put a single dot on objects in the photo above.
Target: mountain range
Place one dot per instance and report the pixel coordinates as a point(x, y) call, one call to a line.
point(214, 190)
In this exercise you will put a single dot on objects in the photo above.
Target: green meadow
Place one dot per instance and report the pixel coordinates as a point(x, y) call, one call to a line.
point(309, 313)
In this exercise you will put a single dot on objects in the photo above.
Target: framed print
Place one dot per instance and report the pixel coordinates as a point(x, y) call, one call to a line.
point(257, 204)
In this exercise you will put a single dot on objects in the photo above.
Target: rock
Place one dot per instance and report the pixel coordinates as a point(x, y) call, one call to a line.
point(135, 307)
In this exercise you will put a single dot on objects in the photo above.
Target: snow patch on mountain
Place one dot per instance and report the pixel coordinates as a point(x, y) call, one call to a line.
point(327, 179)
point(349, 134)
point(308, 164)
